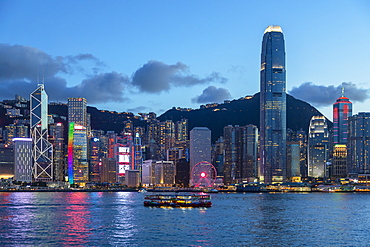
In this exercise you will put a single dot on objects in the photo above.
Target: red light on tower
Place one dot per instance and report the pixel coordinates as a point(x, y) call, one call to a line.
point(203, 174)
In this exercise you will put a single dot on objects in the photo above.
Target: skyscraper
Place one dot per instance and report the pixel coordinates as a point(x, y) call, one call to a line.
point(358, 159)
point(342, 109)
point(77, 111)
point(200, 146)
point(318, 142)
point(42, 148)
point(78, 169)
point(273, 106)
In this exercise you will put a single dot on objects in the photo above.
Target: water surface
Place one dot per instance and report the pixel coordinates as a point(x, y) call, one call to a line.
point(235, 219)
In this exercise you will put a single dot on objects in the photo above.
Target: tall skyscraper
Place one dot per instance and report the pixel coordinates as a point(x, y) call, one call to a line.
point(358, 159)
point(200, 146)
point(77, 111)
point(78, 167)
point(318, 142)
point(342, 109)
point(273, 107)
point(42, 148)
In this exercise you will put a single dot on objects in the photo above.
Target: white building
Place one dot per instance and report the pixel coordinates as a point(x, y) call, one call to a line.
point(23, 159)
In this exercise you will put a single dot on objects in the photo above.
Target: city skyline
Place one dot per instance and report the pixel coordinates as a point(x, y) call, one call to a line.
point(106, 52)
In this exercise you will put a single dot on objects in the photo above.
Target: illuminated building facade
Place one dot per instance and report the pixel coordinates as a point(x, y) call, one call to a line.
point(339, 164)
point(6, 161)
point(148, 172)
point(23, 159)
point(273, 107)
point(78, 167)
point(42, 148)
point(240, 153)
point(293, 161)
point(165, 173)
point(95, 160)
point(200, 146)
point(181, 130)
point(57, 139)
point(318, 141)
point(342, 109)
point(358, 158)
point(108, 172)
point(77, 111)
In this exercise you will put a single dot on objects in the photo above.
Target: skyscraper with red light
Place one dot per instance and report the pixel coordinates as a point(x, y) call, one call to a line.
point(342, 109)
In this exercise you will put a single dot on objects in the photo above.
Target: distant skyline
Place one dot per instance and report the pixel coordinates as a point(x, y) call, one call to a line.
point(143, 56)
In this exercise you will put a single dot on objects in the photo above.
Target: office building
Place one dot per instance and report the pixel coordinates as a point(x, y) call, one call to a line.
point(165, 172)
point(358, 144)
point(342, 109)
point(200, 146)
point(56, 138)
point(318, 141)
point(339, 164)
point(42, 148)
point(22, 159)
point(78, 166)
point(6, 161)
point(273, 107)
point(77, 111)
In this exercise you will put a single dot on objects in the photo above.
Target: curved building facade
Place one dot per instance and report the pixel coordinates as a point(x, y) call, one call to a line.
point(273, 107)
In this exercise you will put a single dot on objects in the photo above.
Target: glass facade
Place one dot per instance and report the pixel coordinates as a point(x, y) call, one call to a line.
point(358, 158)
point(318, 142)
point(42, 148)
point(77, 111)
point(273, 107)
point(342, 109)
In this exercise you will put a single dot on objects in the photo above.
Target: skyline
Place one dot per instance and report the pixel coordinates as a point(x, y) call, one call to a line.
point(141, 56)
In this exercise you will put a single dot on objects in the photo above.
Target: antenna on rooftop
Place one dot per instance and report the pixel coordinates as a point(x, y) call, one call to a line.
point(342, 90)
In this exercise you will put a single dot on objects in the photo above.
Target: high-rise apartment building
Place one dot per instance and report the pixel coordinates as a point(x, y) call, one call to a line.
point(318, 142)
point(273, 106)
point(42, 148)
point(342, 109)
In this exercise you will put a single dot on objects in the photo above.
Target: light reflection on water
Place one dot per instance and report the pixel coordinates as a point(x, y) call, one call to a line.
point(120, 219)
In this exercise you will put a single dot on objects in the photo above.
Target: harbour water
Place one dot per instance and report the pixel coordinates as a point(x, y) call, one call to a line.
point(235, 219)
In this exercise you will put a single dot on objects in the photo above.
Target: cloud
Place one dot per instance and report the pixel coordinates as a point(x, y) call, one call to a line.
point(19, 62)
point(212, 95)
point(21, 65)
point(319, 95)
point(104, 87)
point(140, 109)
point(155, 77)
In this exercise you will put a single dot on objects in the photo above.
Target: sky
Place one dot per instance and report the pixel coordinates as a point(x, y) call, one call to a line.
point(150, 56)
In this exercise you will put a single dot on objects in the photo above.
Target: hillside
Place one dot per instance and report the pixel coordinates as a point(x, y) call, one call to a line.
point(242, 112)
point(237, 112)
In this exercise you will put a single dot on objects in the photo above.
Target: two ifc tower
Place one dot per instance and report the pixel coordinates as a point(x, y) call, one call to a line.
point(273, 107)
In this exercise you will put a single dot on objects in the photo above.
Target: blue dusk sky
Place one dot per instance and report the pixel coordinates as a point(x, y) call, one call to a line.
point(143, 56)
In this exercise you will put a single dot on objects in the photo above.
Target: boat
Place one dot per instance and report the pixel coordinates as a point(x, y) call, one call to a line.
point(210, 190)
point(178, 200)
point(142, 191)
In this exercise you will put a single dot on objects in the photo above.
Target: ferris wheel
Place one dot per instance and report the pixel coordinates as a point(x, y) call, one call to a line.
point(203, 174)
